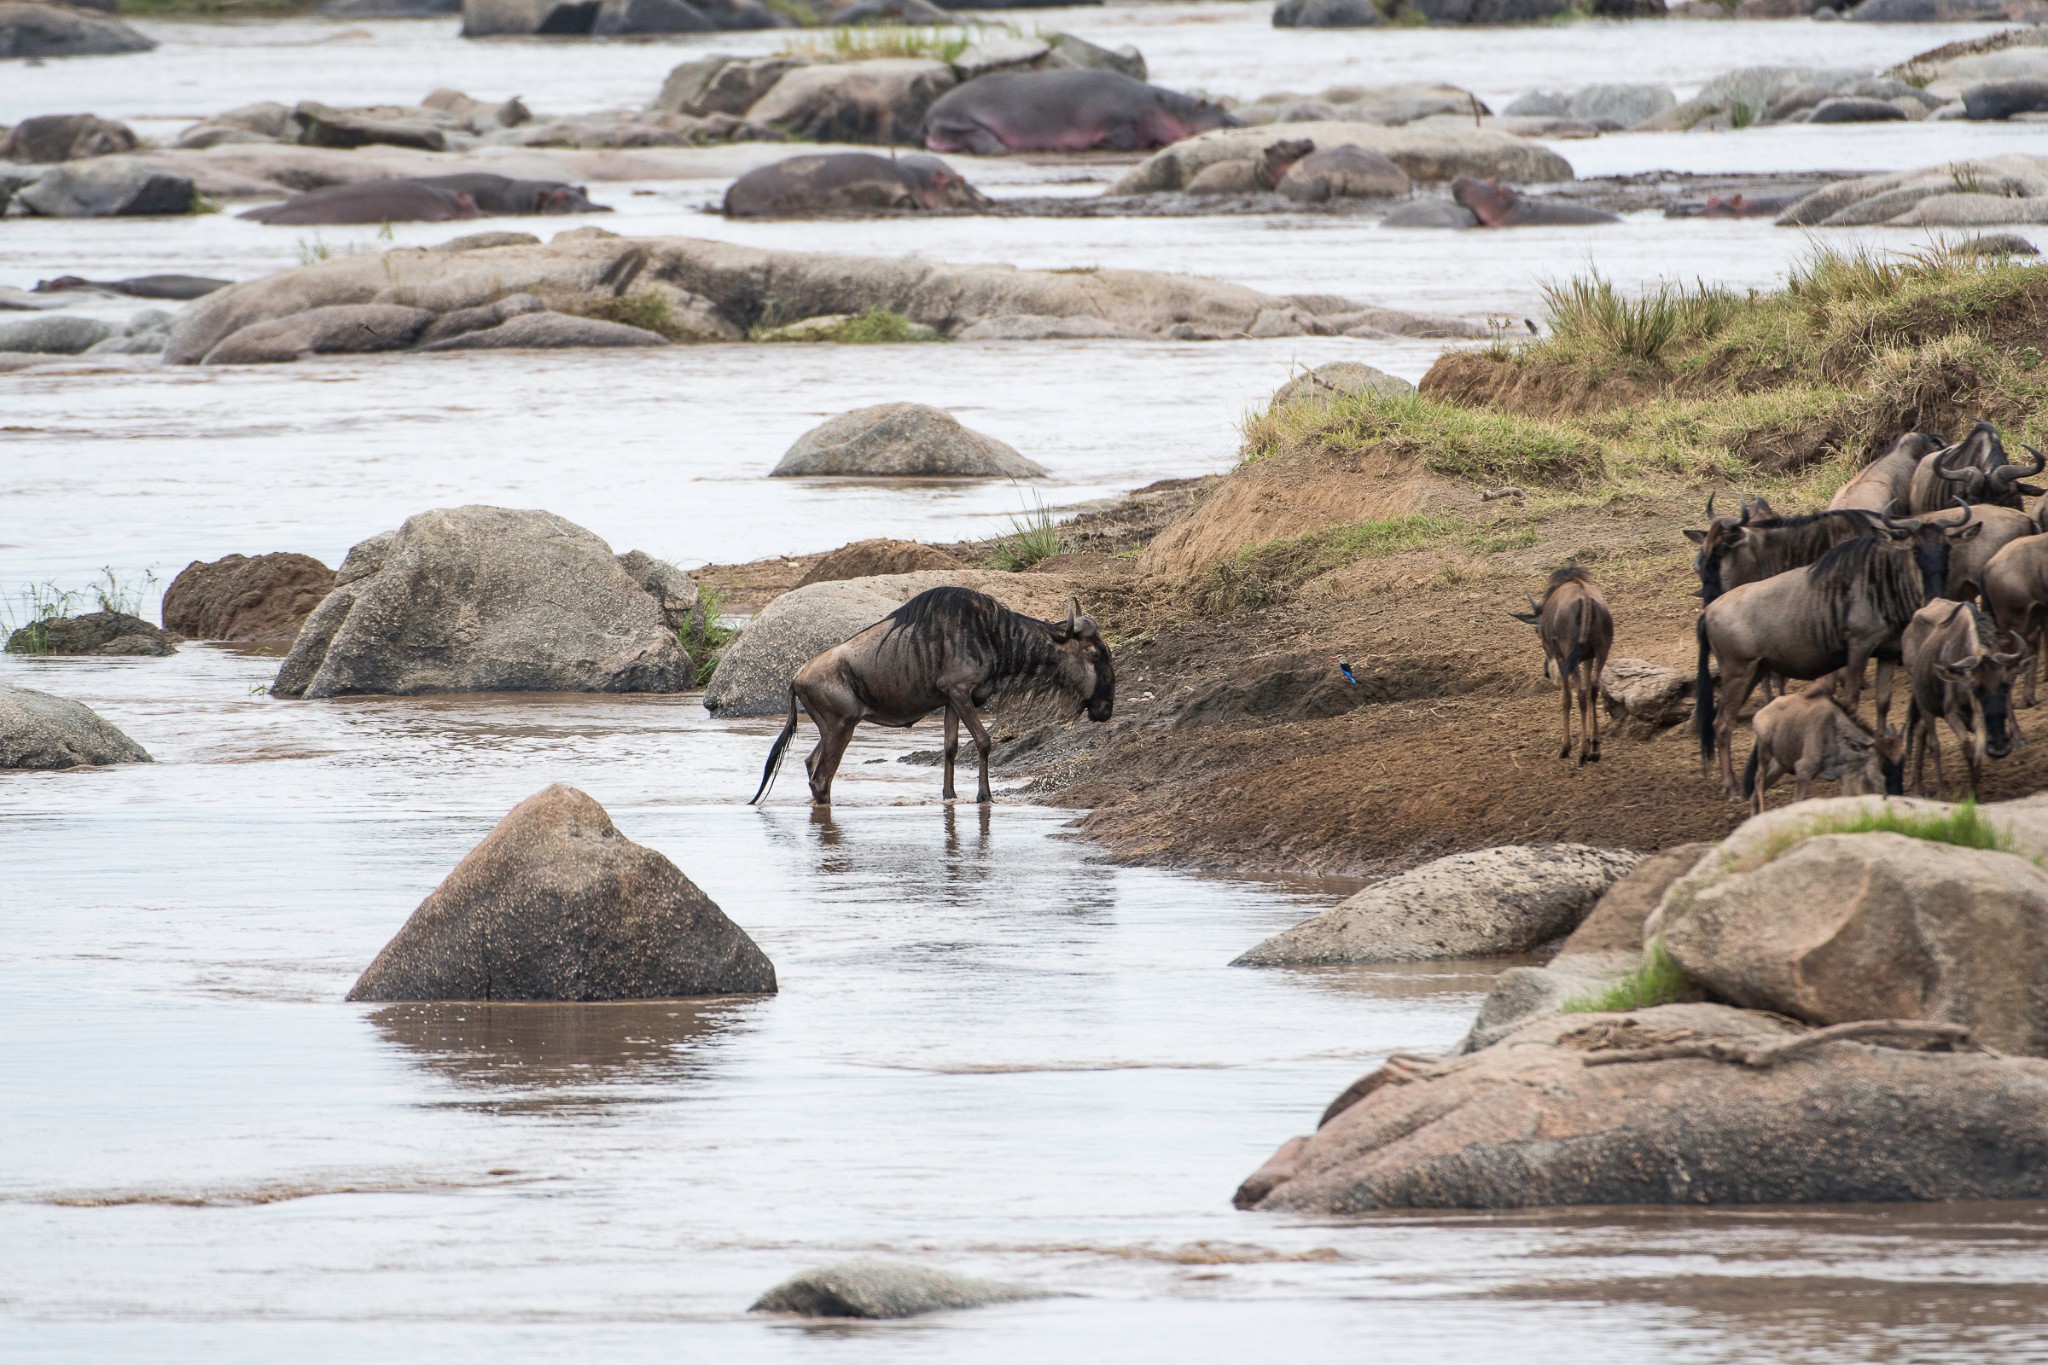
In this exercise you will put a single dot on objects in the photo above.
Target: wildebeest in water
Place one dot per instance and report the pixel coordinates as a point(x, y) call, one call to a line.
point(1577, 630)
point(947, 649)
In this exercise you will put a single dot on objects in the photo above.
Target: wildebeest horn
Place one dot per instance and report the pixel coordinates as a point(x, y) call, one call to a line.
point(2013, 473)
point(1941, 461)
point(1710, 508)
point(1969, 513)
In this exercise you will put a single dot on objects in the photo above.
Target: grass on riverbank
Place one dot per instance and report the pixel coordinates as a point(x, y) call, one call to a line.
point(871, 41)
point(1659, 981)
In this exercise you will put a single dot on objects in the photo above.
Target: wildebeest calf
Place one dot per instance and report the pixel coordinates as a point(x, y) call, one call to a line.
point(1577, 630)
point(945, 649)
point(1962, 669)
point(1815, 738)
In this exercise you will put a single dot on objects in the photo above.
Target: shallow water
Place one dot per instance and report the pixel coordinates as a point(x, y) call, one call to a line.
point(990, 1052)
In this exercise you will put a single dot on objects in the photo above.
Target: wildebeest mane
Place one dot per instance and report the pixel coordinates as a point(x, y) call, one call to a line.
point(1870, 566)
point(1019, 646)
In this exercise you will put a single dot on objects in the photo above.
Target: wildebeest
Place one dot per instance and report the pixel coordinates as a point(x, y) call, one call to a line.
point(1815, 738)
point(1887, 480)
point(1838, 613)
point(1961, 667)
point(1974, 469)
point(1576, 630)
point(2016, 590)
point(1968, 561)
point(950, 649)
point(1760, 543)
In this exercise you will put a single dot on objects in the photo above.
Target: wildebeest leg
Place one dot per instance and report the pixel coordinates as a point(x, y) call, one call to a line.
point(1736, 685)
point(1973, 756)
point(962, 705)
point(1564, 688)
point(1589, 712)
point(952, 749)
point(1886, 671)
point(833, 734)
point(1919, 734)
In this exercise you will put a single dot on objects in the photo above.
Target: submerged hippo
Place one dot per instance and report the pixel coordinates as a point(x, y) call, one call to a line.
point(849, 182)
point(139, 286)
point(372, 201)
point(1495, 205)
point(1065, 111)
point(503, 194)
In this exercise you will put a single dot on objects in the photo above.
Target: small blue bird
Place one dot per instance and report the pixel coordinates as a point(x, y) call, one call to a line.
point(1344, 668)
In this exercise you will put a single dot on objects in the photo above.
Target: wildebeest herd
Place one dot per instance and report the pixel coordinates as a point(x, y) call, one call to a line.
point(1955, 592)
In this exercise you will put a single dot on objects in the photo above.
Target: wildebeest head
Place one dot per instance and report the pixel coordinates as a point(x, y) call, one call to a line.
point(1725, 537)
point(1085, 669)
point(935, 185)
point(1976, 468)
point(1931, 541)
point(1982, 681)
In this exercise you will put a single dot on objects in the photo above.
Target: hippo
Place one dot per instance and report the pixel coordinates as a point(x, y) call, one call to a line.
point(371, 201)
point(1065, 111)
point(501, 194)
point(1739, 205)
point(1496, 206)
point(139, 286)
point(847, 182)
point(2003, 99)
point(1342, 172)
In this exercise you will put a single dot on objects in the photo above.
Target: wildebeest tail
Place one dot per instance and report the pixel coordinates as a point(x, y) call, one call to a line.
point(774, 763)
point(1749, 771)
point(1703, 696)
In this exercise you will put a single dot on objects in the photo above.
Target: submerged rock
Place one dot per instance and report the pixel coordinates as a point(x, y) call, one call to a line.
point(885, 1289)
point(484, 599)
point(1535, 1120)
point(346, 329)
point(36, 30)
point(880, 101)
point(108, 187)
point(1327, 14)
point(556, 904)
point(244, 598)
point(55, 334)
point(39, 731)
point(1427, 155)
point(97, 632)
point(1483, 904)
point(902, 440)
point(65, 137)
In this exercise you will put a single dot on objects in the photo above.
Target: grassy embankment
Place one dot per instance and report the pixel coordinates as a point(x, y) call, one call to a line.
point(1786, 393)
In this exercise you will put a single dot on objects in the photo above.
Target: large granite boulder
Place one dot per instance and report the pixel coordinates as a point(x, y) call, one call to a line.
point(1428, 155)
point(264, 598)
point(884, 1289)
point(106, 633)
point(1843, 927)
point(880, 101)
point(66, 137)
point(721, 84)
point(556, 904)
point(1488, 903)
point(43, 732)
point(34, 30)
point(1611, 106)
point(902, 440)
point(345, 329)
point(107, 187)
point(1548, 1116)
point(484, 599)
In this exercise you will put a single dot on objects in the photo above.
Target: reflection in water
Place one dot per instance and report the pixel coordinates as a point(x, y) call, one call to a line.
point(551, 1056)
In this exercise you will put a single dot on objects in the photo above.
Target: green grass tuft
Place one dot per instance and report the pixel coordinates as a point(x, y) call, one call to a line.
point(1033, 537)
point(706, 644)
point(1658, 981)
point(1587, 311)
point(868, 42)
point(1260, 575)
point(876, 327)
point(648, 312)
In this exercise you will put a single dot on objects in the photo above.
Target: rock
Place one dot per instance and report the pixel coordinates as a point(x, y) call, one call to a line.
point(266, 119)
point(1000, 52)
point(66, 137)
point(1645, 698)
point(482, 316)
point(619, 18)
point(1845, 109)
point(892, 12)
point(55, 334)
point(36, 30)
point(107, 187)
point(346, 329)
point(1345, 172)
point(1877, 926)
point(1607, 945)
point(1038, 327)
point(1327, 14)
point(1942, 11)
point(1325, 382)
point(1427, 155)
point(97, 632)
point(1526, 1123)
point(556, 904)
point(721, 84)
point(675, 592)
point(549, 331)
point(484, 599)
point(264, 598)
point(880, 101)
point(1988, 100)
point(484, 241)
point(390, 9)
point(752, 678)
point(147, 333)
point(902, 440)
point(1227, 177)
point(1068, 50)
point(867, 558)
point(321, 125)
point(1972, 210)
point(884, 1289)
point(1488, 903)
point(1430, 213)
point(1486, 11)
point(1619, 106)
point(732, 288)
point(42, 732)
